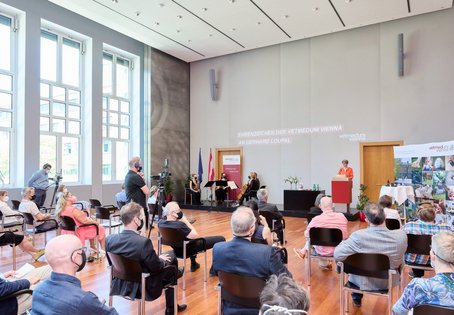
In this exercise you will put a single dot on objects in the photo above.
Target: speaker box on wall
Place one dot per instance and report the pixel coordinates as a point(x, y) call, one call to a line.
point(400, 54)
point(213, 85)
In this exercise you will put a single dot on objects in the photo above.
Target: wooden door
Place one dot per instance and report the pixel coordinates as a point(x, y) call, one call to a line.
point(377, 166)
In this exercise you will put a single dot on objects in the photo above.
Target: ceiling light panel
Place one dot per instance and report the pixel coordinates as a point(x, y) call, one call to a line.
point(423, 6)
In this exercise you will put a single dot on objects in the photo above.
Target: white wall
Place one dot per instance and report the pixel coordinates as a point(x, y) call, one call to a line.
point(347, 78)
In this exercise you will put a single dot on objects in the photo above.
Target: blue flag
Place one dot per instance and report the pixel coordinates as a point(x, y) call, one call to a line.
point(200, 166)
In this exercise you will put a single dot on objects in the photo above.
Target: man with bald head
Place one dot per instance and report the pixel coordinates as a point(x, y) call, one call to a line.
point(242, 257)
point(328, 219)
point(62, 293)
point(135, 187)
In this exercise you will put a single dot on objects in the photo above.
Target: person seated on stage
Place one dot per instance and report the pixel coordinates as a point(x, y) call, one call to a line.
point(175, 219)
point(24, 243)
point(283, 295)
point(263, 205)
point(130, 244)
point(221, 191)
point(9, 284)
point(28, 206)
point(424, 226)
point(65, 207)
point(386, 202)
point(62, 293)
point(253, 187)
point(16, 216)
point(262, 230)
point(328, 219)
point(120, 197)
point(346, 170)
point(242, 257)
point(438, 289)
point(194, 187)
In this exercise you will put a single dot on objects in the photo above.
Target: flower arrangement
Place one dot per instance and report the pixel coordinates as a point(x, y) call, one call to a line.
point(293, 180)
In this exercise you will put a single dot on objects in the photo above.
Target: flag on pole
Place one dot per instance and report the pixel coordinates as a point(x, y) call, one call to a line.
point(210, 167)
point(200, 166)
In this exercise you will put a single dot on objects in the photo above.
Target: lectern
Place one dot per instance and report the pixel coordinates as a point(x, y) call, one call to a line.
point(341, 189)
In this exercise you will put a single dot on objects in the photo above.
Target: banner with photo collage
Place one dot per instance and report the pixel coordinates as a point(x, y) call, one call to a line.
point(429, 168)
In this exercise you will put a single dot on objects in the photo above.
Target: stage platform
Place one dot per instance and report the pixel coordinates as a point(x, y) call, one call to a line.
point(353, 214)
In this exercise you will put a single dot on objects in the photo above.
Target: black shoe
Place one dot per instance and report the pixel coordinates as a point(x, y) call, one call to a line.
point(181, 308)
point(195, 266)
point(180, 272)
point(356, 302)
point(192, 220)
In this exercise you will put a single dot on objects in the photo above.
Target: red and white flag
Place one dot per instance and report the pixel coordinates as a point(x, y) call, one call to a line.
point(210, 167)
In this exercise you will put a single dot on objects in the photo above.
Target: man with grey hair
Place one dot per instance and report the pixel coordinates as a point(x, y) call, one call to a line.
point(264, 206)
point(376, 239)
point(242, 257)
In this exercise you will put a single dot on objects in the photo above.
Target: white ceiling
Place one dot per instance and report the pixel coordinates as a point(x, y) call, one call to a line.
point(198, 29)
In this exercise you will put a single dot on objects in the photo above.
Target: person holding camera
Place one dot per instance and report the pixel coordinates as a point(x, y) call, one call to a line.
point(135, 187)
point(40, 181)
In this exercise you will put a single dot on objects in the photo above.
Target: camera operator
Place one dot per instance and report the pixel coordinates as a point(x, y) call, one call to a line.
point(135, 187)
point(40, 181)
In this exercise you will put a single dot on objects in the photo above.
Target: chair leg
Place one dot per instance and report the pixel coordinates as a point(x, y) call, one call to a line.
point(14, 256)
point(184, 267)
point(110, 300)
point(205, 266)
point(175, 299)
point(139, 307)
point(341, 295)
point(308, 267)
point(219, 299)
point(347, 301)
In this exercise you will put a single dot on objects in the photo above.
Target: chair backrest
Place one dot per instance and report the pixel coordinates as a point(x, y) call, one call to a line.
point(392, 224)
point(16, 204)
point(28, 218)
point(269, 217)
point(367, 265)
point(12, 237)
point(325, 236)
point(419, 244)
point(172, 237)
point(67, 223)
point(240, 289)
point(258, 240)
point(425, 309)
point(124, 268)
point(102, 213)
point(94, 203)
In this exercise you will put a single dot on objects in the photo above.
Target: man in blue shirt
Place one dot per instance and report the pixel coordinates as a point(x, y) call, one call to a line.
point(40, 181)
point(62, 293)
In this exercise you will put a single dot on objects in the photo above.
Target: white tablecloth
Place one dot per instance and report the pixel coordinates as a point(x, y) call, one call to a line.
point(399, 193)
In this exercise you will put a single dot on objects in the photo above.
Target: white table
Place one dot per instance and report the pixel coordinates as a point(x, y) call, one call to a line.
point(399, 193)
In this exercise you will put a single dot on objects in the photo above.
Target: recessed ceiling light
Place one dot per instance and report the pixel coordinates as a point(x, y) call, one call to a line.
point(115, 1)
point(137, 13)
point(258, 23)
point(161, 5)
point(232, 1)
point(204, 9)
point(189, 40)
point(178, 30)
point(156, 23)
point(315, 9)
point(179, 16)
point(286, 16)
point(233, 29)
point(211, 35)
point(348, 1)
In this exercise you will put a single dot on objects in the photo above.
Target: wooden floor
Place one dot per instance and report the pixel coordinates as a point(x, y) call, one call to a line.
point(201, 297)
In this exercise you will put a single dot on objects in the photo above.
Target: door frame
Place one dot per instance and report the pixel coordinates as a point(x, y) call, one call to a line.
point(218, 153)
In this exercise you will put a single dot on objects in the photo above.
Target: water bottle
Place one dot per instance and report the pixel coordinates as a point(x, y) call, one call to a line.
point(313, 187)
point(318, 187)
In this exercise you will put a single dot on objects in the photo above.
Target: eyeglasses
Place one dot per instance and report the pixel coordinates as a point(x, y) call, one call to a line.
point(281, 310)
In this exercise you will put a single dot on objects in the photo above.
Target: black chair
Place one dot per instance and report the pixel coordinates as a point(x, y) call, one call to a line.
point(258, 241)
point(68, 224)
point(43, 227)
point(12, 243)
point(239, 289)
point(366, 265)
point(321, 237)
point(103, 213)
point(276, 224)
point(419, 245)
point(16, 204)
point(96, 203)
point(177, 240)
point(19, 221)
point(426, 309)
point(14, 295)
point(392, 224)
point(130, 270)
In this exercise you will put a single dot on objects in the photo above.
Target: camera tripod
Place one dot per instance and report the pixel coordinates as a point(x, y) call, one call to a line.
point(157, 207)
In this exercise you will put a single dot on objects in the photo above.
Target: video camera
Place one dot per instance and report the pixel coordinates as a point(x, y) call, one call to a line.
point(160, 178)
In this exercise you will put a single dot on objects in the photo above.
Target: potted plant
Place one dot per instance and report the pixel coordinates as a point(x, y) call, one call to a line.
point(168, 188)
point(362, 201)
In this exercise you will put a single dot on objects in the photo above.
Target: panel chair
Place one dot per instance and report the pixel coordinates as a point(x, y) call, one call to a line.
point(12, 244)
point(425, 309)
point(103, 213)
point(67, 223)
point(176, 239)
point(16, 204)
point(19, 221)
point(272, 219)
point(130, 270)
point(38, 226)
point(367, 265)
point(321, 237)
point(419, 245)
point(392, 224)
point(96, 203)
point(239, 289)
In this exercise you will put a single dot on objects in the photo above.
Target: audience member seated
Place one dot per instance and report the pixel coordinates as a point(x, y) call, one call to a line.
point(175, 219)
point(24, 243)
point(81, 204)
point(7, 211)
point(375, 239)
point(130, 244)
point(262, 230)
point(328, 219)
point(386, 202)
point(120, 197)
point(242, 257)
point(9, 284)
point(65, 207)
point(263, 205)
point(282, 295)
point(315, 209)
point(437, 290)
point(425, 225)
point(62, 293)
point(28, 206)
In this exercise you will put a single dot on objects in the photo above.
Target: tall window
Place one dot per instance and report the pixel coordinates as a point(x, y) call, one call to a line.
point(116, 116)
point(61, 104)
point(7, 71)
